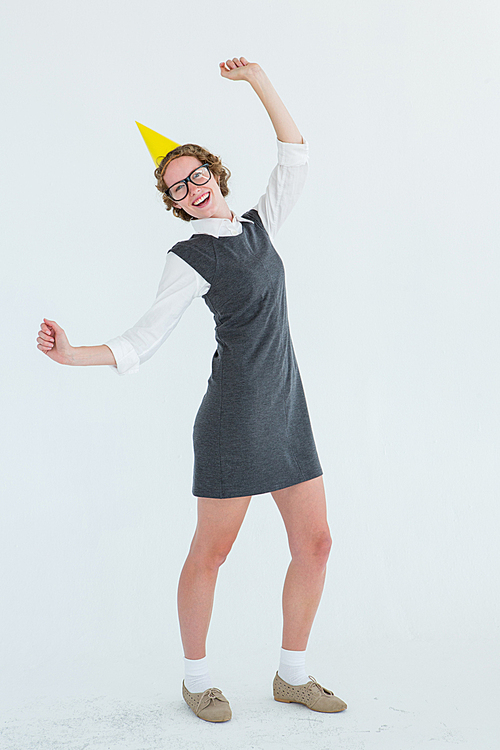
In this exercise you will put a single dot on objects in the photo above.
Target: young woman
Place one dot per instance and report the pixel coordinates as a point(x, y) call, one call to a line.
point(252, 433)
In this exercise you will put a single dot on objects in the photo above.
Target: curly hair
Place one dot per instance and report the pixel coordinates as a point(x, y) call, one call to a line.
point(221, 173)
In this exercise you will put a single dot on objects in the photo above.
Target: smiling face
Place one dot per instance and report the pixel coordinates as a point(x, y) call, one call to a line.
point(202, 201)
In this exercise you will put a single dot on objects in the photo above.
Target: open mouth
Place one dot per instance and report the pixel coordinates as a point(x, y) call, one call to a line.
point(202, 200)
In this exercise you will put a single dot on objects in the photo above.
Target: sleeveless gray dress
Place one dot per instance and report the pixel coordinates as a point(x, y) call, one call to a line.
point(252, 433)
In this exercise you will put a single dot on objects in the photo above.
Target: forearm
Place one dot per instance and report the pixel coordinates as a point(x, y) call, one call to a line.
point(283, 123)
point(92, 355)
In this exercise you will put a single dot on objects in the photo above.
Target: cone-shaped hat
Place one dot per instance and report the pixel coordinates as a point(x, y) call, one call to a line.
point(158, 145)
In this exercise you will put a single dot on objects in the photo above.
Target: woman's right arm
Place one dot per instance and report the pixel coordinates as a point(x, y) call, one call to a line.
point(179, 285)
point(53, 341)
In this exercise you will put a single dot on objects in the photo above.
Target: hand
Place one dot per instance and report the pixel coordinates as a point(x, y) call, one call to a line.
point(53, 342)
point(239, 69)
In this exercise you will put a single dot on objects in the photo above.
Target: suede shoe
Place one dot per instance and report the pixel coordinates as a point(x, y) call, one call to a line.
point(210, 705)
point(311, 694)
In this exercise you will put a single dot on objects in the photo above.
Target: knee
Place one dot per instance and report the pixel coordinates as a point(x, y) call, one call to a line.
point(315, 549)
point(210, 557)
point(322, 547)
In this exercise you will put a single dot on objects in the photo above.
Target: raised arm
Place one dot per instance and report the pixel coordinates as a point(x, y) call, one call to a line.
point(239, 69)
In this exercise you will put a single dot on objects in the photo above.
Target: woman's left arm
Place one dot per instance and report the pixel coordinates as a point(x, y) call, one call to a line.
point(239, 69)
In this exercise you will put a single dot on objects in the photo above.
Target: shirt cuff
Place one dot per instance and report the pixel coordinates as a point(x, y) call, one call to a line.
point(293, 154)
point(127, 359)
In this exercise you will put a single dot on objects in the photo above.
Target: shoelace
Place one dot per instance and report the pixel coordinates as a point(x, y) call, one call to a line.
point(322, 689)
point(211, 695)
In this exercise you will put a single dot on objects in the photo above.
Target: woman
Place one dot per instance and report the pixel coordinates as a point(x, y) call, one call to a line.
point(252, 433)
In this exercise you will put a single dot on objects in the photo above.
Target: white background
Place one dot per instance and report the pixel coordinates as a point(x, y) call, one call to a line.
point(393, 285)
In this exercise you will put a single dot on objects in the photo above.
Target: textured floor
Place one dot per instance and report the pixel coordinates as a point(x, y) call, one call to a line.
point(432, 701)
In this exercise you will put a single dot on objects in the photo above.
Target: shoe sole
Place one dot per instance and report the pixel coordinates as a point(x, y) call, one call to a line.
point(300, 703)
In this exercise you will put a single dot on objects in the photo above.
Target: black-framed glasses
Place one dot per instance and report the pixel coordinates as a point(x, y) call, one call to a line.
point(179, 190)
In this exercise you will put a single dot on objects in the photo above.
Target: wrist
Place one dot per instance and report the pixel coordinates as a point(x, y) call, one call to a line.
point(257, 77)
point(72, 356)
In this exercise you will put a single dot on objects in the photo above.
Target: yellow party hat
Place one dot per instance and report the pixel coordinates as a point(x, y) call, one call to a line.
point(158, 145)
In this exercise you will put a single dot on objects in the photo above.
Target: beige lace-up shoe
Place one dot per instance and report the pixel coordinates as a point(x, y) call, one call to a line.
point(311, 694)
point(209, 706)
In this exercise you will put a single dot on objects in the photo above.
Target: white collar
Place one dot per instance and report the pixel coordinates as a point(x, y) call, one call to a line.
point(219, 227)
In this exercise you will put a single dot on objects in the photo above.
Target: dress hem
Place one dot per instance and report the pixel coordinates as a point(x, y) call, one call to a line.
point(279, 486)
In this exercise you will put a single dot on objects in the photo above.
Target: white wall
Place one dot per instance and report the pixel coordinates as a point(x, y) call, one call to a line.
point(393, 283)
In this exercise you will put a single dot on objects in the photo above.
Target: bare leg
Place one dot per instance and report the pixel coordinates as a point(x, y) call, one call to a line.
point(303, 508)
point(218, 524)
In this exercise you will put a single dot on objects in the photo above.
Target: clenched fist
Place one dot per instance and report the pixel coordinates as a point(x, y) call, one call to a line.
point(239, 69)
point(53, 342)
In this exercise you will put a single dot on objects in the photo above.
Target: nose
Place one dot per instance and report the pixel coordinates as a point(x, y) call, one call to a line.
point(193, 189)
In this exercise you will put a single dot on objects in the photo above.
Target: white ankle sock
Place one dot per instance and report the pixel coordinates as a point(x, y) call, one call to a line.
point(197, 677)
point(292, 667)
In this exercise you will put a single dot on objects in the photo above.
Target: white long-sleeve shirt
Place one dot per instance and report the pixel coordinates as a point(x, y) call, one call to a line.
point(180, 284)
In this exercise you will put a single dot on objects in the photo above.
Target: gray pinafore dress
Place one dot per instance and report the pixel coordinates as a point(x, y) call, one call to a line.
point(252, 433)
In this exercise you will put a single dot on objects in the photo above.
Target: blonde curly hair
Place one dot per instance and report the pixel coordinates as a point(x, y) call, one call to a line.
point(220, 172)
